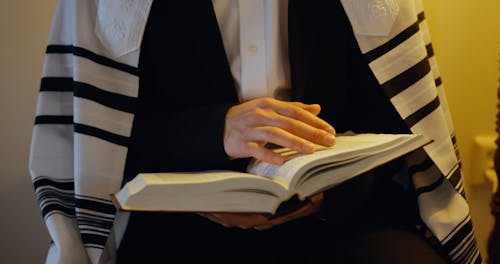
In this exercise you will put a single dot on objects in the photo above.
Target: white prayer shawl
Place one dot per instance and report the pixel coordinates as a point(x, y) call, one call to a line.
point(85, 113)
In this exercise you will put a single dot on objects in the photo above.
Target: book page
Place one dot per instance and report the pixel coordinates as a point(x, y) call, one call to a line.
point(347, 148)
point(325, 178)
point(206, 191)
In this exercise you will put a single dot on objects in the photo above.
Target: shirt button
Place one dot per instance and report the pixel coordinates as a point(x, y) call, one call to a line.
point(252, 48)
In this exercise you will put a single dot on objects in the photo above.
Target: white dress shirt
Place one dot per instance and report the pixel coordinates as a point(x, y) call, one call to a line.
point(255, 36)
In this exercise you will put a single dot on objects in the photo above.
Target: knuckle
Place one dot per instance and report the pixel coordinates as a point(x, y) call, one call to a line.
point(254, 115)
point(318, 135)
point(297, 145)
point(270, 132)
point(265, 154)
point(288, 125)
point(266, 102)
point(300, 116)
point(251, 118)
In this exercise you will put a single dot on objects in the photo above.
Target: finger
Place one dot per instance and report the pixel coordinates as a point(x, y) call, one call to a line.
point(243, 221)
point(264, 154)
point(215, 219)
point(266, 117)
point(317, 198)
point(281, 137)
point(295, 112)
point(314, 109)
point(312, 206)
point(301, 129)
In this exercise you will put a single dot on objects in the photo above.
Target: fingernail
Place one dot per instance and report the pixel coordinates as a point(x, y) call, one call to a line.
point(329, 139)
point(330, 130)
point(310, 147)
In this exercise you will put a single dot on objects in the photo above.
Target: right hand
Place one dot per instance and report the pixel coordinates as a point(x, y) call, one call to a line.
point(261, 221)
point(249, 126)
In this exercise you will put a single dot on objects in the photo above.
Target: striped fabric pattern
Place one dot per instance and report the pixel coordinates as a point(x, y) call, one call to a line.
point(55, 196)
point(85, 111)
point(82, 129)
point(406, 68)
point(101, 124)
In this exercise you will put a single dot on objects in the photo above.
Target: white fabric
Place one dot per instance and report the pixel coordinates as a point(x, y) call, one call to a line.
point(257, 49)
point(373, 18)
point(124, 35)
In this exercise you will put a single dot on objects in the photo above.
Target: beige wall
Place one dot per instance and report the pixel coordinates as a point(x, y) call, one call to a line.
point(466, 36)
point(24, 29)
point(466, 39)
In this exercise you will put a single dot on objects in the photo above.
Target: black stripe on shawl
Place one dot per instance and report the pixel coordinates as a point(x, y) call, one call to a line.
point(453, 139)
point(105, 218)
point(394, 42)
point(423, 112)
point(53, 120)
point(459, 241)
point(468, 252)
point(67, 185)
point(95, 204)
point(455, 145)
point(83, 90)
point(429, 188)
point(96, 221)
point(55, 208)
point(430, 53)
point(55, 196)
point(438, 81)
point(94, 240)
point(421, 17)
point(423, 166)
point(94, 226)
point(457, 237)
point(455, 178)
point(99, 59)
point(457, 152)
point(102, 134)
point(430, 50)
point(408, 77)
point(56, 84)
point(113, 100)
point(427, 164)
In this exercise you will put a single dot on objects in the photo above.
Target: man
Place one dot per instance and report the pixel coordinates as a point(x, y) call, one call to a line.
point(167, 86)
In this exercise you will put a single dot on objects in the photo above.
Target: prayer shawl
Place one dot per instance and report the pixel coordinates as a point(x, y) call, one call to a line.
point(85, 112)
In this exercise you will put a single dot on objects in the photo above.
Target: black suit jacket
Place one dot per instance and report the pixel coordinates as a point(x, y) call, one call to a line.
point(186, 88)
point(186, 85)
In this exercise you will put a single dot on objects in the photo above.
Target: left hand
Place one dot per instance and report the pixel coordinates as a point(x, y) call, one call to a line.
point(261, 221)
point(250, 125)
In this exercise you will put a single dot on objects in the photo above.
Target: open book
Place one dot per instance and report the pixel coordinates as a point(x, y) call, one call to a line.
point(265, 186)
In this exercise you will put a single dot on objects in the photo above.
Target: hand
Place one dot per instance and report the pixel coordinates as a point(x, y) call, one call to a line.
point(260, 221)
point(251, 125)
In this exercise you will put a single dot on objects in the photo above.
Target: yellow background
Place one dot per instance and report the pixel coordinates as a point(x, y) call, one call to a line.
point(466, 37)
